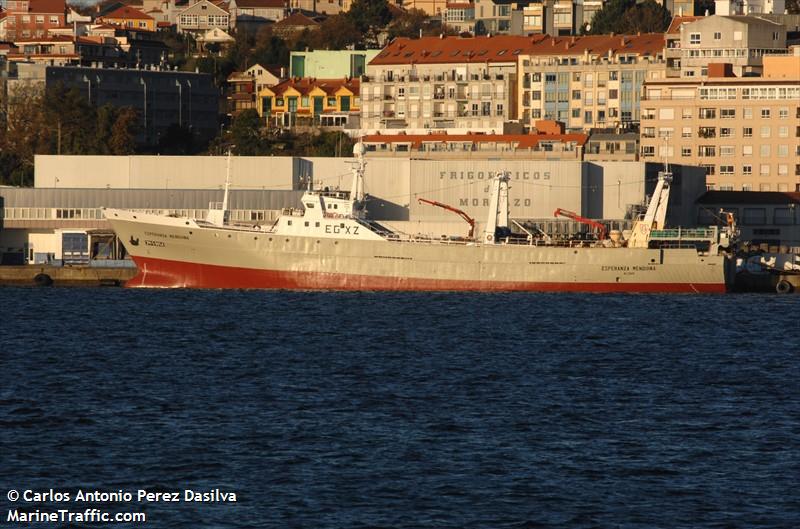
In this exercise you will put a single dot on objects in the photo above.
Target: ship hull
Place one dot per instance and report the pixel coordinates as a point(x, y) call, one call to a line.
point(171, 254)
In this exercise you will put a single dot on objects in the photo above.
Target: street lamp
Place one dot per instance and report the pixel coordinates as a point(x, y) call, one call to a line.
point(180, 102)
point(144, 84)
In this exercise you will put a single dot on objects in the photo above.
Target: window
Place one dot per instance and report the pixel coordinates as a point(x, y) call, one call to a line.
point(499, 109)
point(717, 35)
point(54, 20)
point(747, 169)
point(536, 113)
point(587, 117)
point(536, 95)
point(537, 77)
point(726, 169)
point(765, 149)
point(707, 151)
point(727, 113)
point(764, 169)
point(694, 38)
point(726, 132)
point(686, 113)
point(765, 113)
point(784, 215)
point(748, 113)
point(783, 113)
point(40, 19)
point(765, 132)
point(708, 113)
point(576, 113)
point(747, 132)
point(686, 151)
point(783, 132)
point(726, 150)
point(648, 151)
point(613, 94)
point(755, 216)
point(747, 150)
point(576, 95)
point(783, 151)
point(783, 170)
point(686, 132)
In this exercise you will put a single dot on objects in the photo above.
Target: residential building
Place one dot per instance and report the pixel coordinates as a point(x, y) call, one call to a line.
point(493, 17)
point(749, 7)
point(294, 23)
point(216, 37)
point(737, 40)
point(553, 17)
point(129, 17)
point(27, 19)
point(588, 82)
point(612, 147)
point(251, 14)
point(679, 8)
point(311, 102)
point(430, 7)
point(330, 64)
point(202, 16)
point(743, 130)
point(460, 16)
point(477, 146)
point(672, 44)
point(323, 7)
point(243, 86)
point(443, 83)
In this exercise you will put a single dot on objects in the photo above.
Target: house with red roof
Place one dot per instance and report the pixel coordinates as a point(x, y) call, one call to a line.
point(27, 19)
point(313, 102)
point(130, 18)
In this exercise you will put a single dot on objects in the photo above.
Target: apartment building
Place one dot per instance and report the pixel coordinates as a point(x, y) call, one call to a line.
point(744, 130)
point(330, 64)
point(741, 41)
point(461, 84)
point(749, 7)
point(460, 16)
point(680, 7)
point(672, 44)
point(493, 17)
point(27, 19)
point(588, 82)
point(552, 17)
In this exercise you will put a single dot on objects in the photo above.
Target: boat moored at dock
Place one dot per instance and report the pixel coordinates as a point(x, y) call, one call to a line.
point(330, 243)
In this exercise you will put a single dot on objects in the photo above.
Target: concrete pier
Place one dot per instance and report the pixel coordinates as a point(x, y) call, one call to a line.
point(40, 275)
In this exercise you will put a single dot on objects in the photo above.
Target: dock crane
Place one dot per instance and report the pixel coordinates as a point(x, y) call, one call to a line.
point(463, 215)
point(601, 230)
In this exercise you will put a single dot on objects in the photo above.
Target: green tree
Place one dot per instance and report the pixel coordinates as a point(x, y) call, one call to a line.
point(628, 17)
point(793, 7)
point(336, 33)
point(245, 134)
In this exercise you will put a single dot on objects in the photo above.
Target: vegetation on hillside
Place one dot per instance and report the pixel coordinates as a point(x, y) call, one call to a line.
point(629, 17)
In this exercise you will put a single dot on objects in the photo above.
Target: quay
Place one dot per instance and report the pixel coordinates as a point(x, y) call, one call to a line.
point(44, 275)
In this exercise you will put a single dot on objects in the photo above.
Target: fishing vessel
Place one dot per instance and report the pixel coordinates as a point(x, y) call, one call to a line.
point(330, 243)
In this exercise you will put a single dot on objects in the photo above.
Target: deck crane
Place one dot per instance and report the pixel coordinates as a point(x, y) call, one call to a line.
point(463, 215)
point(601, 230)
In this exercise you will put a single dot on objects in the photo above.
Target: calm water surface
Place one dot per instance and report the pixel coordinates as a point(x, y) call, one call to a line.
point(350, 410)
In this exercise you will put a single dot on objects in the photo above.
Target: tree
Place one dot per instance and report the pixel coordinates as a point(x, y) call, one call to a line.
point(245, 134)
point(336, 33)
point(793, 7)
point(628, 17)
point(123, 132)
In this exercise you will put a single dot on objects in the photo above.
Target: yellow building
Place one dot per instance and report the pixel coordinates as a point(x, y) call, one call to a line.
point(130, 18)
point(307, 101)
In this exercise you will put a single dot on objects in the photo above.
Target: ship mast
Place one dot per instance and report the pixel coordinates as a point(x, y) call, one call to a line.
point(656, 214)
point(218, 212)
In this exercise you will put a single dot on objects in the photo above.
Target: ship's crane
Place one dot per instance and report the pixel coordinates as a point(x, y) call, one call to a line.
point(601, 230)
point(463, 215)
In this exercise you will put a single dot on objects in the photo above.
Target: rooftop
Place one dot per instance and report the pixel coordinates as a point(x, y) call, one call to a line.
point(521, 141)
point(127, 12)
point(506, 48)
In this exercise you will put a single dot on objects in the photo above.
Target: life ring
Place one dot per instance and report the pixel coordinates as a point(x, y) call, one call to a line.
point(784, 287)
point(489, 237)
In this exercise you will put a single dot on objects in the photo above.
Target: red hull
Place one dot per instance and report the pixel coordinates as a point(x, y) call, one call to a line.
point(163, 273)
